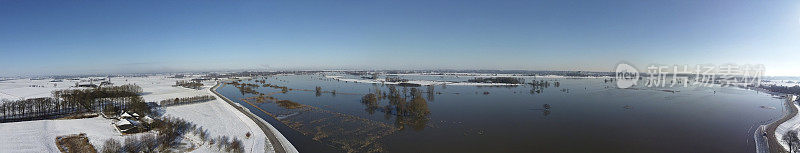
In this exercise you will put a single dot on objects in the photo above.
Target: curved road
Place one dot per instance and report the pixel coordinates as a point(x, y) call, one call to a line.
point(772, 142)
point(276, 144)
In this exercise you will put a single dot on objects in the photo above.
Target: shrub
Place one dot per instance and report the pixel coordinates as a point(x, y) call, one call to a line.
point(170, 130)
point(111, 146)
point(132, 144)
point(148, 142)
point(189, 84)
point(289, 104)
point(235, 146)
point(203, 134)
point(318, 91)
point(223, 142)
point(219, 141)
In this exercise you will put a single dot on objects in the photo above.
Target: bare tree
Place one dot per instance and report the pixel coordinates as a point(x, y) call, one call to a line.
point(791, 138)
point(132, 145)
point(112, 146)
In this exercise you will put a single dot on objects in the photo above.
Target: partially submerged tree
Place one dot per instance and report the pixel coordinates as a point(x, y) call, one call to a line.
point(189, 84)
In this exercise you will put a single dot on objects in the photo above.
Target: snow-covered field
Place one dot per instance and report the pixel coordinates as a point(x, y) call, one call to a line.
point(496, 75)
point(420, 82)
point(39, 136)
point(791, 124)
point(430, 82)
point(787, 83)
point(22, 88)
point(217, 116)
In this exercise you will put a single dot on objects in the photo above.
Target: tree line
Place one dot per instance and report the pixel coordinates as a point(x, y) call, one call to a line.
point(509, 80)
point(189, 84)
point(187, 100)
point(73, 101)
point(782, 89)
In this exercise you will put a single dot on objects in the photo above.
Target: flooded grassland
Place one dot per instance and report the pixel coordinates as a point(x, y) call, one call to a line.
point(326, 114)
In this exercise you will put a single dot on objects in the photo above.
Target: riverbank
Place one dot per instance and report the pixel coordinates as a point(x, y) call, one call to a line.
point(772, 140)
point(279, 143)
point(215, 116)
point(789, 125)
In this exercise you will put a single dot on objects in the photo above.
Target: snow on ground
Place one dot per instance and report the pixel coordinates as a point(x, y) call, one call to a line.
point(217, 116)
point(21, 88)
point(788, 83)
point(421, 82)
point(220, 118)
point(157, 88)
point(791, 124)
point(497, 75)
point(40, 136)
point(430, 82)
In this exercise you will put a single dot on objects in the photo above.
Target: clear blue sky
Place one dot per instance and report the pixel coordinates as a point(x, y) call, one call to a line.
point(74, 37)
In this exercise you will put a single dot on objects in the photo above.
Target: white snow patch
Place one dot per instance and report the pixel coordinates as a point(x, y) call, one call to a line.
point(40, 136)
point(26, 88)
point(791, 124)
point(217, 116)
point(420, 82)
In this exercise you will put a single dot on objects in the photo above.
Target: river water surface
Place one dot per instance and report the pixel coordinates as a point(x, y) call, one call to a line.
point(583, 115)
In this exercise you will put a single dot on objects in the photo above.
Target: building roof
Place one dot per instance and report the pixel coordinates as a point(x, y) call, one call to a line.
point(123, 122)
point(125, 115)
point(147, 119)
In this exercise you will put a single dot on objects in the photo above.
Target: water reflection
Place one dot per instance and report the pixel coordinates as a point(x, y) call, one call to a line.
point(244, 88)
point(408, 110)
point(344, 132)
point(430, 93)
point(367, 117)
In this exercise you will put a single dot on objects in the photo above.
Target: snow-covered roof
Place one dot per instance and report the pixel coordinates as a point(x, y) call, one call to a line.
point(124, 115)
point(147, 119)
point(123, 122)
